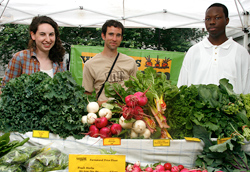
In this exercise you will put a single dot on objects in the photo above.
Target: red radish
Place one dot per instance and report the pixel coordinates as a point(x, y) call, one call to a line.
point(105, 132)
point(160, 167)
point(142, 99)
point(93, 131)
point(101, 122)
point(184, 170)
point(131, 100)
point(175, 169)
point(129, 167)
point(149, 169)
point(168, 166)
point(116, 129)
point(136, 169)
point(138, 112)
point(126, 113)
point(180, 167)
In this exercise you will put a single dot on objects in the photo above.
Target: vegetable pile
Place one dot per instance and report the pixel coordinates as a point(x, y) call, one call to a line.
point(39, 102)
point(171, 112)
point(99, 125)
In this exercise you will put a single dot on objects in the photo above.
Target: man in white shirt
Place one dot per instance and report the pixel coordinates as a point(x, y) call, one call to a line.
point(217, 56)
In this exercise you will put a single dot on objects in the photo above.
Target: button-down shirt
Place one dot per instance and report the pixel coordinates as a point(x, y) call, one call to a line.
point(26, 62)
point(206, 63)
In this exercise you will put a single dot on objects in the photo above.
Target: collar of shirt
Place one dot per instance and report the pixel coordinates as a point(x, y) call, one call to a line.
point(33, 54)
point(225, 45)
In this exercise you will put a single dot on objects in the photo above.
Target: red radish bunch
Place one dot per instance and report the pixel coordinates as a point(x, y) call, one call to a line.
point(167, 167)
point(133, 107)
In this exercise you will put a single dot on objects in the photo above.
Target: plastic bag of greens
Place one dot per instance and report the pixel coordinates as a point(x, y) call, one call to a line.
point(20, 154)
point(11, 168)
point(49, 160)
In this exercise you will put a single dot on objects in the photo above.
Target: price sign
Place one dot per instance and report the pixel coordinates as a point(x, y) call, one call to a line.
point(97, 163)
point(192, 139)
point(161, 142)
point(111, 141)
point(40, 134)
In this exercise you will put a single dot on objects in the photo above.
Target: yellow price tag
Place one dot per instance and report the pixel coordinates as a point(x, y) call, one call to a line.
point(192, 139)
point(222, 140)
point(111, 141)
point(40, 134)
point(97, 163)
point(161, 142)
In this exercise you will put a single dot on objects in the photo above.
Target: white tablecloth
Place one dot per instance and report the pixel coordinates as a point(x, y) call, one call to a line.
point(179, 152)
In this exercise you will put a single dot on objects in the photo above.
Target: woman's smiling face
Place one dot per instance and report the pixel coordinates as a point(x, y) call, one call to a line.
point(44, 37)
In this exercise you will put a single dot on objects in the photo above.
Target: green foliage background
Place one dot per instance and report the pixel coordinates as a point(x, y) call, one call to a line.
point(14, 38)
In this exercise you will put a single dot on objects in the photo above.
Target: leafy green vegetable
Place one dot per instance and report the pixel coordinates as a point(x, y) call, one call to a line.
point(49, 160)
point(210, 106)
point(39, 102)
point(227, 156)
point(20, 154)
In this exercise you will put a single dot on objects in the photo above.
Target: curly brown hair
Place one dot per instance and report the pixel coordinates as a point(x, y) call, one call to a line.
point(57, 52)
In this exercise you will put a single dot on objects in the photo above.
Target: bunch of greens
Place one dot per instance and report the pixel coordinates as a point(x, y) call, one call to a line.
point(49, 160)
point(20, 155)
point(6, 145)
point(157, 89)
point(39, 102)
point(11, 168)
point(210, 106)
point(227, 156)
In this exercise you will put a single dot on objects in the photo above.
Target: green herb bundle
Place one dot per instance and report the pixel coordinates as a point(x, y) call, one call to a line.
point(210, 106)
point(39, 102)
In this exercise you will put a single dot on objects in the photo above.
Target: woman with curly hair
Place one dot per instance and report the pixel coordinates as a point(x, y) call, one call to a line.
point(45, 51)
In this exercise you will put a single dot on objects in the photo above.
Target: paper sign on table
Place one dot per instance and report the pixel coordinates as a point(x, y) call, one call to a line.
point(222, 140)
point(97, 163)
point(192, 139)
point(111, 141)
point(161, 142)
point(40, 134)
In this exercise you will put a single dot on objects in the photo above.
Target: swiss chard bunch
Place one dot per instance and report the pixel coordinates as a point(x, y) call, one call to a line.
point(39, 102)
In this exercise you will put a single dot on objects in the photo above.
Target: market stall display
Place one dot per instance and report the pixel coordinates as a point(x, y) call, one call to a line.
point(59, 105)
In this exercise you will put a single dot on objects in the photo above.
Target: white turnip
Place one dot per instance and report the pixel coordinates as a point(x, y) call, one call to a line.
point(116, 129)
point(146, 134)
point(91, 118)
point(125, 125)
point(84, 119)
point(105, 132)
point(133, 134)
point(101, 122)
point(92, 107)
point(139, 126)
point(105, 112)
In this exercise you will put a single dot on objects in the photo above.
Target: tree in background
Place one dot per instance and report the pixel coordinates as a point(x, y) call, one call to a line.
point(14, 38)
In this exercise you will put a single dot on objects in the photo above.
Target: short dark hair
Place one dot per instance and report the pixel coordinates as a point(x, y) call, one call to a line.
point(57, 51)
point(110, 23)
point(225, 10)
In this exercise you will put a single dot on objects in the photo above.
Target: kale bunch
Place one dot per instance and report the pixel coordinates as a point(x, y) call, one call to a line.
point(39, 102)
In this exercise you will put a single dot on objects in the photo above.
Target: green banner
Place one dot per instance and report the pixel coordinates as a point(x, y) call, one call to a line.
point(162, 61)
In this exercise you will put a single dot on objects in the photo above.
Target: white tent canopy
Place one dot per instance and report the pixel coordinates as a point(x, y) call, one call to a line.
point(162, 14)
